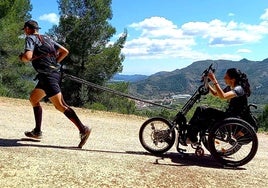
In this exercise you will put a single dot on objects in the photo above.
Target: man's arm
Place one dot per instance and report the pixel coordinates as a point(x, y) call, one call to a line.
point(26, 56)
point(62, 53)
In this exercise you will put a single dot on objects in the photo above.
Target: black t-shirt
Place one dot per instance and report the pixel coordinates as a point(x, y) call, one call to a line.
point(237, 104)
point(42, 63)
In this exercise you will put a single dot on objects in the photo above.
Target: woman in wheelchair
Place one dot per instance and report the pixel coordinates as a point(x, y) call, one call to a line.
point(236, 92)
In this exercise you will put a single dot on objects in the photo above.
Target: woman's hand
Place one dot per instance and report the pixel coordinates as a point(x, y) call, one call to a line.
point(212, 77)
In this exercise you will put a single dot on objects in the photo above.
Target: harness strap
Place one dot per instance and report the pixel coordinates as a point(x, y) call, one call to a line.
point(44, 55)
point(41, 39)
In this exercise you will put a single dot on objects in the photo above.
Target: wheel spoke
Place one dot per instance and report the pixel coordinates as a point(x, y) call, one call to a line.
point(233, 143)
point(155, 135)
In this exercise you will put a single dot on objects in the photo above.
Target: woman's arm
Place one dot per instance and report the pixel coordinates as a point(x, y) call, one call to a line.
point(212, 90)
point(220, 93)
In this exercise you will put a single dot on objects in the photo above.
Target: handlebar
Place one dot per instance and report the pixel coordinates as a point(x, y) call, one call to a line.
point(252, 105)
point(205, 78)
point(208, 70)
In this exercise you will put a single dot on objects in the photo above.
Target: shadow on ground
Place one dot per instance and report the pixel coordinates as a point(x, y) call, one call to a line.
point(177, 159)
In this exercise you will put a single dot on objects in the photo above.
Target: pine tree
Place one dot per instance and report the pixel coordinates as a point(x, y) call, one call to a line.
point(13, 74)
point(85, 30)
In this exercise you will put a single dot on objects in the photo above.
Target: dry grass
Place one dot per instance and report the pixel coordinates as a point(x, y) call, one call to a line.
point(113, 156)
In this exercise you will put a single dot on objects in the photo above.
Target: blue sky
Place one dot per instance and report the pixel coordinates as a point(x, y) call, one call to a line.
point(164, 35)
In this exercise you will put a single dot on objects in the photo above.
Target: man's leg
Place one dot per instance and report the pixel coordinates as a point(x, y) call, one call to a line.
point(60, 105)
point(36, 96)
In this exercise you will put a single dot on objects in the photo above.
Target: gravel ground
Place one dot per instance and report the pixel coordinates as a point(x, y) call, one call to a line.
point(112, 157)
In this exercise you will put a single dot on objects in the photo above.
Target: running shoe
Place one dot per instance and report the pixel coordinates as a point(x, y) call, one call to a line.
point(84, 136)
point(33, 134)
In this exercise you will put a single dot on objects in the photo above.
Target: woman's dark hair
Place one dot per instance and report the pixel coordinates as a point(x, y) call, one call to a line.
point(241, 79)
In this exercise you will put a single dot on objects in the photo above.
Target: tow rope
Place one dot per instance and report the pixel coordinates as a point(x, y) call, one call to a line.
point(82, 81)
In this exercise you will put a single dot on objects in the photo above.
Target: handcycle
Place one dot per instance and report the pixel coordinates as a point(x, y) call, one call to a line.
point(232, 142)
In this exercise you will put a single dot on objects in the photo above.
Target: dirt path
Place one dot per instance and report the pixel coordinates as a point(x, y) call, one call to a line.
point(113, 156)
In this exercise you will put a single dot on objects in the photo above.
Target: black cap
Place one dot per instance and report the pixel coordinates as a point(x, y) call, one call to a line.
point(31, 24)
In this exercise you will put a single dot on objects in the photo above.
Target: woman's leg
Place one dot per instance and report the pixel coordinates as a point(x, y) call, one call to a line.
point(201, 120)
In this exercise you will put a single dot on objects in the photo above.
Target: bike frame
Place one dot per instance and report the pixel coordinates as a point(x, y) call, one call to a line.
point(180, 122)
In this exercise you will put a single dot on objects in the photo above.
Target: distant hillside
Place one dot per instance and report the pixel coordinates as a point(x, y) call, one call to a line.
point(186, 80)
point(128, 78)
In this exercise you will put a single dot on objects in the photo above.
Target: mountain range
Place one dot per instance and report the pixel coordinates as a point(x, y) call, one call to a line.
point(186, 80)
point(128, 78)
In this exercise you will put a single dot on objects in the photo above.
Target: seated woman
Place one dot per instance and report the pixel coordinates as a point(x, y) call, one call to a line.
point(236, 92)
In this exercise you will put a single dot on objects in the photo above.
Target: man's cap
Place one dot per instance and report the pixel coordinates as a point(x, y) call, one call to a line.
point(31, 24)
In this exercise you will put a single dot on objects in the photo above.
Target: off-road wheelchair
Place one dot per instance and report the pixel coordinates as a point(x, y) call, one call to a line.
point(232, 142)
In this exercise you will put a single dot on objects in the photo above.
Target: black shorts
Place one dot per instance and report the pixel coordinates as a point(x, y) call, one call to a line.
point(50, 83)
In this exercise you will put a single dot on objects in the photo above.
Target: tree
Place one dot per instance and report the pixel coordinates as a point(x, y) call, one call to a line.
point(110, 102)
point(263, 119)
point(84, 29)
point(14, 76)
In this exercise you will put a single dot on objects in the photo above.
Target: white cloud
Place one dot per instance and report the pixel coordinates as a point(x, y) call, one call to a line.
point(51, 17)
point(157, 27)
point(265, 15)
point(154, 23)
point(233, 57)
point(161, 38)
point(243, 50)
point(221, 33)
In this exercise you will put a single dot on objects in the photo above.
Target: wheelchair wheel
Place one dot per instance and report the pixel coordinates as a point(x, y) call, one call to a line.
point(204, 135)
point(156, 135)
point(204, 140)
point(233, 142)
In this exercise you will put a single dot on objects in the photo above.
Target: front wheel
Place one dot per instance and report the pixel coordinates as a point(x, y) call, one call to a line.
point(233, 142)
point(156, 135)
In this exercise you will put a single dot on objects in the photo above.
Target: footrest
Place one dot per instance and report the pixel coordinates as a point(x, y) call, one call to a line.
point(180, 150)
